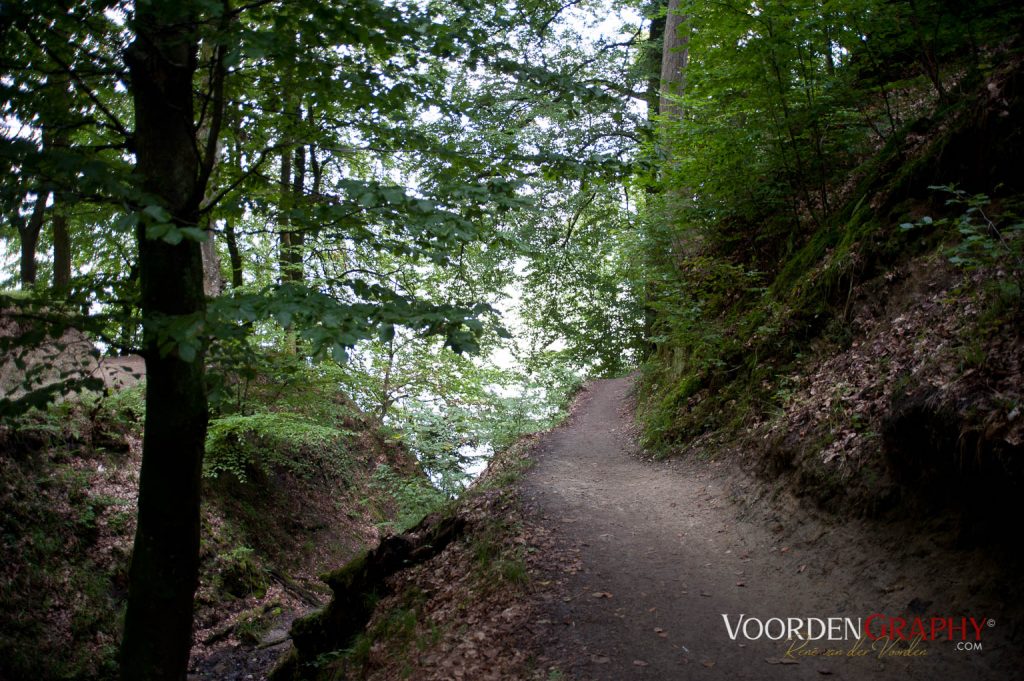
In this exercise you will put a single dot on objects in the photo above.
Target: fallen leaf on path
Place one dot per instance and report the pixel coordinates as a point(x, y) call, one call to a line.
point(639, 663)
point(741, 583)
point(709, 663)
point(601, 594)
point(660, 632)
point(801, 569)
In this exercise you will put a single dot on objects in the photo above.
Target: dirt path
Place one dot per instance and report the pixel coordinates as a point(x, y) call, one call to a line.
point(663, 555)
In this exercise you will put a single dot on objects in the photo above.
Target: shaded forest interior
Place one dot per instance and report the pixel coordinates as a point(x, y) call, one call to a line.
point(278, 276)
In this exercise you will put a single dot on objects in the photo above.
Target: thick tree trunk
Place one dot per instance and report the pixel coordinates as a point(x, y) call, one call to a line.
point(30, 241)
point(675, 54)
point(61, 245)
point(652, 65)
point(165, 561)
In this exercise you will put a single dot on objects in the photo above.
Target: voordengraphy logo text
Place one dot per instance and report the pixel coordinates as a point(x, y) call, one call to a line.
point(874, 627)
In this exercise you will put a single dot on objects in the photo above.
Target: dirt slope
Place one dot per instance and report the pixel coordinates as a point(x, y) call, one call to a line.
point(664, 553)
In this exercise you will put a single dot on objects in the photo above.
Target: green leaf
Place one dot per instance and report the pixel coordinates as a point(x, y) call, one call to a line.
point(187, 352)
point(157, 213)
point(173, 236)
point(339, 354)
point(194, 234)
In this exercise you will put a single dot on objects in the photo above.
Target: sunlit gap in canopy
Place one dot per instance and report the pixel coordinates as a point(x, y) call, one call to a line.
point(586, 28)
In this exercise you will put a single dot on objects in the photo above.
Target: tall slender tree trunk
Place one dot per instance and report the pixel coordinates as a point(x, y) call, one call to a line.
point(652, 63)
point(285, 192)
point(230, 237)
point(29, 233)
point(213, 282)
point(296, 272)
point(165, 560)
point(234, 255)
point(652, 55)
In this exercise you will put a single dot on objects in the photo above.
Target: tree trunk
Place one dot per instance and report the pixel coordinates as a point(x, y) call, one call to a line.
point(165, 560)
point(284, 203)
point(61, 244)
point(30, 241)
point(652, 65)
point(675, 54)
point(234, 255)
point(297, 241)
point(230, 237)
point(213, 282)
point(129, 340)
point(653, 55)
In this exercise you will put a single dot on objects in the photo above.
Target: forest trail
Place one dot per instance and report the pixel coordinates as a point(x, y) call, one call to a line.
point(663, 554)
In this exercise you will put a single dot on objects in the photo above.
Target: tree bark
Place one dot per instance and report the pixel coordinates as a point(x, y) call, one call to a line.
point(165, 560)
point(61, 244)
point(296, 272)
point(284, 203)
point(652, 65)
point(30, 241)
point(653, 56)
point(213, 282)
point(234, 255)
point(675, 55)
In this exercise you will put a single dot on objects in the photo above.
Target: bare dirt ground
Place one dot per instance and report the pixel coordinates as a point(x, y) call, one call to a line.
point(654, 553)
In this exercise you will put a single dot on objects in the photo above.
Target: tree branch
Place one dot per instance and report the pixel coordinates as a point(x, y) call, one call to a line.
point(219, 196)
point(114, 120)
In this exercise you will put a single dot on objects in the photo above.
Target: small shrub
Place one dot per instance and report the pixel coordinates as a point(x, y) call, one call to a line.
point(414, 495)
point(240, 575)
point(993, 241)
point(251, 625)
